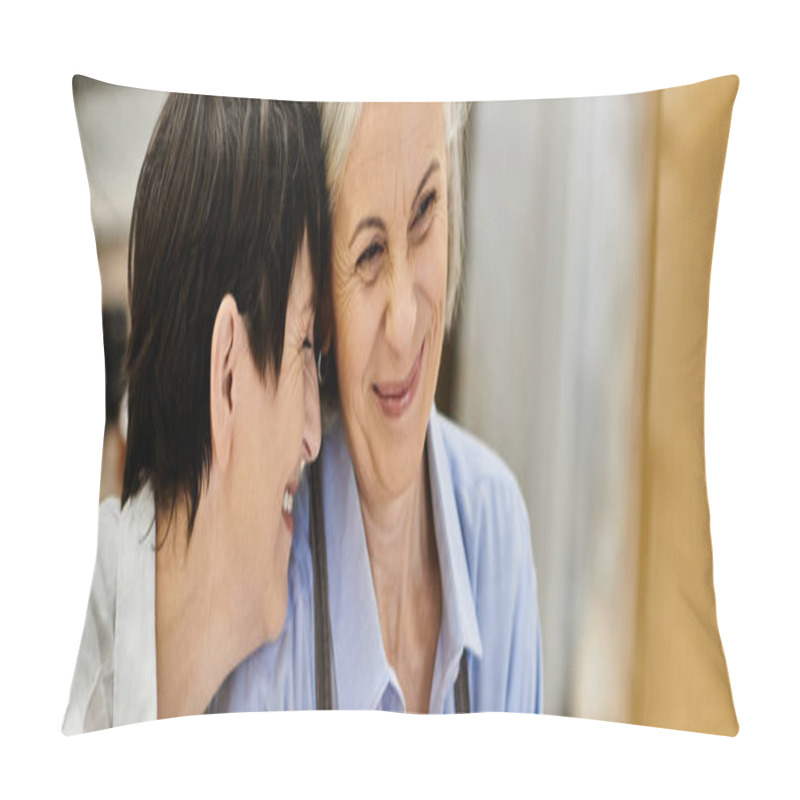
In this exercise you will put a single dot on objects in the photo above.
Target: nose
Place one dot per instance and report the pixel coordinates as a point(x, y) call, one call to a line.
point(312, 433)
point(401, 312)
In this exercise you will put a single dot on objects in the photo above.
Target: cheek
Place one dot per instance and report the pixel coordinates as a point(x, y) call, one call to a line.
point(290, 411)
point(432, 269)
point(357, 313)
point(351, 352)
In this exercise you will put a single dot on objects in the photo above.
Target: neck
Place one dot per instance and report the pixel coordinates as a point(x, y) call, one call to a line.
point(405, 567)
point(198, 632)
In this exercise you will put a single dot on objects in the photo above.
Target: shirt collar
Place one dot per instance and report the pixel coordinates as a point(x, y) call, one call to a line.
point(135, 687)
point(459, 619)
point(362, 672)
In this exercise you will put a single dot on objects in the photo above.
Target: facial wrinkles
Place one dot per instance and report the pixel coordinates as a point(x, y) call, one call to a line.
point(352, 328)
point(345, 305)
point(299, 328)
point(406, 277)
point(288, 412)
point(346, 278)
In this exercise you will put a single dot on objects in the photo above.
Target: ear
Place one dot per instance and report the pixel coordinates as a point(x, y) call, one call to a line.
point(225, 347)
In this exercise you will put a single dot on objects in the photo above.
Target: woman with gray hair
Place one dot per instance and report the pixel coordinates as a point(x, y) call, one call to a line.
point(422, 595)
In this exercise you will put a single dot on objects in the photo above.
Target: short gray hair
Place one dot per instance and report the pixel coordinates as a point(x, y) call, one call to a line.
point(339, 121)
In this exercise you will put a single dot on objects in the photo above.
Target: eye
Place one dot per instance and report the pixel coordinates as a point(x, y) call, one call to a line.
point(308, 339)
point(374, 250)
point(424, 207)
point(368, 264)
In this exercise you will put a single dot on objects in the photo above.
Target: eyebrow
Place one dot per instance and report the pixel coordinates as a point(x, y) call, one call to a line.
point(377, 222)
point(434, 165)
point(368, 222)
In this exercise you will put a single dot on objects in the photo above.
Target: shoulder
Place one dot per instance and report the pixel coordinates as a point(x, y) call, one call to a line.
point(472, 462)
point(121, 533)
point(92, 684)
point(495, 530)
point(491, 508)
point(104, 579)
point(109, 535)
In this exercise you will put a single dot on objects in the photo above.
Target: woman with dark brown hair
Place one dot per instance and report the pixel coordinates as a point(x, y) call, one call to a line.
point(228, 240)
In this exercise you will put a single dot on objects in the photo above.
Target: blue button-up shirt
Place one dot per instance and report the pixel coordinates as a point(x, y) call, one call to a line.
point(489, 602)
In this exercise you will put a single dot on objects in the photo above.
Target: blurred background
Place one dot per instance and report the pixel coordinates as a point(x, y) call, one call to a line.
point(580, 357)
point(115, 124)
point(547, 359)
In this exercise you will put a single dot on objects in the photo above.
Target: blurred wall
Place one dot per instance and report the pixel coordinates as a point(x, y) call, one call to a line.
point(548, 362)
point(115, 124)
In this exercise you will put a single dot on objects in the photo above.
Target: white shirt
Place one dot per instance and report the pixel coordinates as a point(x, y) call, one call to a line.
point(115, 675)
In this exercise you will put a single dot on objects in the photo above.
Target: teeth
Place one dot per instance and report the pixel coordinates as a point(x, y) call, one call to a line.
point(288, 501)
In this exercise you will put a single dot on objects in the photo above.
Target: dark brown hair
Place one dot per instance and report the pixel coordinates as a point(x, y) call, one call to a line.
point(227, 189)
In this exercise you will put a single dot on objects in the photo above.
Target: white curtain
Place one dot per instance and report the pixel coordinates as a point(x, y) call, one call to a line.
point(549, 361)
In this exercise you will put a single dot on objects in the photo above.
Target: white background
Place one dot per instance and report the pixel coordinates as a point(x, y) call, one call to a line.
point(52, 391)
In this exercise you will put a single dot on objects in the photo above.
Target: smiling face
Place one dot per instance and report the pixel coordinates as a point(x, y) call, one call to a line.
point(277, 428)
point(389, 290)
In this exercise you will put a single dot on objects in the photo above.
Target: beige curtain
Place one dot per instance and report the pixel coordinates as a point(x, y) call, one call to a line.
point(680, 673)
